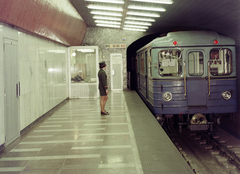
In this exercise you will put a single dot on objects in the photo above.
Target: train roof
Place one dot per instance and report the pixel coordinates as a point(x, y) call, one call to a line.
point(190, 38)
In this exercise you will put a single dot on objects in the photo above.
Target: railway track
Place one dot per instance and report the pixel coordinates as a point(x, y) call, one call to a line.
point(207, 154)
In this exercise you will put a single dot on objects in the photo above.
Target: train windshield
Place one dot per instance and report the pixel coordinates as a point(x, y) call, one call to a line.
point(220, 61)
point(195, 63)
point(170, 63)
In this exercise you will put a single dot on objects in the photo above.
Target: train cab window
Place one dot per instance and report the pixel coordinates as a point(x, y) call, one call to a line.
point(170, 63)
point(220, 62)
point(195, 63)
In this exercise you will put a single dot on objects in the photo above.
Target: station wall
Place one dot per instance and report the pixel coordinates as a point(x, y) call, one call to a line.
point(105, 37)
point(42, 75)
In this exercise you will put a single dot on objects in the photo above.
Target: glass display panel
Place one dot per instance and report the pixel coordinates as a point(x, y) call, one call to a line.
point(83, 65)
point(220, 61)
point(170, 63)
point(195, 63)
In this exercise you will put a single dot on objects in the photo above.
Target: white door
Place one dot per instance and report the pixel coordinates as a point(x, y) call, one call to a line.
point(116, 71)
point(11, 90)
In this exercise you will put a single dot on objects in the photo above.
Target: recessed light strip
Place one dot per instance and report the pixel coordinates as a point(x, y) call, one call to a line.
point(106, 13)
point(96, 7)
point(134, 29)
point(107, 1)
point(135, 26)
point(138, 23)
point(107, 18)
point(143, 14)
point(107, 22)
point(106, 25)
point(155, 1)
point(146, 8)
point(141, 19)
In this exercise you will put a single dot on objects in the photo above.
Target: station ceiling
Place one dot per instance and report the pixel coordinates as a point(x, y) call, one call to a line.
point(217, 15)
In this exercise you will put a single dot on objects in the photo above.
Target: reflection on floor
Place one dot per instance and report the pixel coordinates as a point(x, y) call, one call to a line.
point(77, 139)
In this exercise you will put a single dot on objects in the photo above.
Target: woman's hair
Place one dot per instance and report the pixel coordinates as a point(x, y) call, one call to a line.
point(102, 65)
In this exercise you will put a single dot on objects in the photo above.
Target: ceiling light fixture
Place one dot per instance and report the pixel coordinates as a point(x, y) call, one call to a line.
point(144, 14)
point(96, 7)
point(107, 22)
point(156, 1)
point(146, 8)
point(138, 23)
point(106, 13)
point(107, 1)
point(141, 19)
point(134, 29)
point(106, 25)
point(135, 26)
point(107, 18)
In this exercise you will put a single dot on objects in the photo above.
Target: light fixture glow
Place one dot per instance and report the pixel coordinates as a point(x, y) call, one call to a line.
point(145, 8)
point(106, 25)
point(107, 18)
point(134, 29)
point(96, 7)
point(144, 14)
point(108, 22)
point(86, 50)
point(141, 19)
point(138, 23)
point(107, 1)
point(156, 1)
point(106, 13)
point(135, 26)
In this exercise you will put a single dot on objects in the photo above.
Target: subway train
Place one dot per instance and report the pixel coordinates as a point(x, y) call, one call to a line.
point(188, 79)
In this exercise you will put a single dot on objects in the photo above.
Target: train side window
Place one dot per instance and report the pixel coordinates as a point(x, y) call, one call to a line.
point(142, 64)
point(170, 63)
point(195, 63)
point(220, 61)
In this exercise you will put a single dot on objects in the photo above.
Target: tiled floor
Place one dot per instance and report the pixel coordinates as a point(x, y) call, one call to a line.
point(77, 139)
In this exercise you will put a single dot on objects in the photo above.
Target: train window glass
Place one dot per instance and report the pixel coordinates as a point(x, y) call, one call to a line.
point(170, 63)
point(142, 64)
point(150, 63)
point(220, 61)
point(195, 63)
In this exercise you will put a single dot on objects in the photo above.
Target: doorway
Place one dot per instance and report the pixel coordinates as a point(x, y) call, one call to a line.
point(11, 91)
point(116, 71)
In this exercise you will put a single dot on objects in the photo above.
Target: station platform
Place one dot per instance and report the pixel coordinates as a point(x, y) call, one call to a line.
point(75, 138)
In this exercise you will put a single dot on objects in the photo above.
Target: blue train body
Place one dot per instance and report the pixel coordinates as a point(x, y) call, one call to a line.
point(191, 74)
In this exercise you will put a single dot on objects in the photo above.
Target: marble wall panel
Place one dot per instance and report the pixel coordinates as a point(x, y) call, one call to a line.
point(42, 72)
point(97, 36)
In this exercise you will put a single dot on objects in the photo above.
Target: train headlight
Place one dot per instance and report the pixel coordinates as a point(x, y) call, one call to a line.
point(167, 96)
point(226, 95)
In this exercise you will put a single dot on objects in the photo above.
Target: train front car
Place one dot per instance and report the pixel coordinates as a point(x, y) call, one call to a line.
point(189, 77)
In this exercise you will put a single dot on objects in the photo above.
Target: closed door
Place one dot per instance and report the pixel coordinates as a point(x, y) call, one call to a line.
point(11, 90)
point(116, 72)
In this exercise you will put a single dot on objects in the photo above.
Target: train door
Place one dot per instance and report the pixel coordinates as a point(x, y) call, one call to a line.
point(11, 91)
point(146, 72)
point(196, 82)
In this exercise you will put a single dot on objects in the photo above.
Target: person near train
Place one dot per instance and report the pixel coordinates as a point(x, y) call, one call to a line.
point(103, 88)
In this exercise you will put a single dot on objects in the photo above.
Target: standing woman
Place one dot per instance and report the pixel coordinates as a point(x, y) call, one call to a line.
point(103, 87)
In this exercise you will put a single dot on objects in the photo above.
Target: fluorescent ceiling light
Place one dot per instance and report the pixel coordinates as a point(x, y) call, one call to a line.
point(134, 29)
point(138, 23)
point(144, 14)
point(106, 13)
point(106, 25)
point(135, 26)
point(141, 19)
point(107, 18)
point(156, 1)
point(104, 8)
point(108, 22)
point(107, 1)
point(145, 8)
